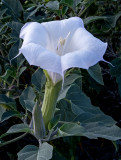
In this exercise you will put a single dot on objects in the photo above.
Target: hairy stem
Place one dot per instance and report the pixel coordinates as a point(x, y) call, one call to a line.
point(50, 99)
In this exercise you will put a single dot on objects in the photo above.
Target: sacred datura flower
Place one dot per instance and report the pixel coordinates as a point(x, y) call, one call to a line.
point(59, 45)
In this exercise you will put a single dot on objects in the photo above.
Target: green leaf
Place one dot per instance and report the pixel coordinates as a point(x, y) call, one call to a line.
point(2, 12)
point(14, 6)
point(67, 2)
point(87, 119)
point(22, 69)
point(116, 71)
point(54, 122)
point(3, 135)
point(9, 73)
point(86, 4)
point(14, 50)
point(7, 102)
point(58, 156)
point(76, 96)
point(65, 111)
point(53, 5)
point(92, 123)
point(29, 105)
point(91, 114)
point(112, 133)
point(38, 79)
point(16, 27)
point(64, 10)
point(110, 19)
point(19, 128)
point(63, 93)
point(2, 27)
point(8, 114)
point(95, 73)
point(70, 129)
point(29, 152)
point(92, 131)
point(45, 151)
point(27, 94)
point(2, 110)
point(30, 13)
point(70, 79)
point(70, 3)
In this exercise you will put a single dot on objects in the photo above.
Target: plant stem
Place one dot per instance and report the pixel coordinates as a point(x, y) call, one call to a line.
point(50, 99)
point(13, 140)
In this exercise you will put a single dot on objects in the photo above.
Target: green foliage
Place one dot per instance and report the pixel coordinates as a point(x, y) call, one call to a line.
point(95, 73)
point(89, 120)
point(54, 122)
point(2, 110)
point(18, 128)
point(116, 71)
point(29, 151)
point(38, 124)
point(44, 152)
point(14, 6)
point(27, 98)
point(7, 102)
point(110, 19)
point(38, 79)
point(75, 115)
point(91, 131)
point(53, 5)
point(10, 113)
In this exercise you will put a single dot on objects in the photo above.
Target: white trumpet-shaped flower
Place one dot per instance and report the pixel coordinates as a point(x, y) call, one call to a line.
point(59, 45)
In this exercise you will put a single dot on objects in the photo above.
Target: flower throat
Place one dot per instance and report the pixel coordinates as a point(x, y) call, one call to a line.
point(61, 45)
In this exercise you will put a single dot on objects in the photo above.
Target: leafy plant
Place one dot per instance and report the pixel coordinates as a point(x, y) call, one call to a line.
point(23, 86)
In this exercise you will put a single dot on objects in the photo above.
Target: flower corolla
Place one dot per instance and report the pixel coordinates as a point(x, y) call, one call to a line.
point(59, 45)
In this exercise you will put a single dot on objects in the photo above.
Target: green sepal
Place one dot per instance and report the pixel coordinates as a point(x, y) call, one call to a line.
point(50, 98)
point(38, 124)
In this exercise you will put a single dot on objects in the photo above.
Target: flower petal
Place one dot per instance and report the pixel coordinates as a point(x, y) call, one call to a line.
point(81, 49)
point(40, 56)
point(60, 29)
point(33, 32)
point(84, 50)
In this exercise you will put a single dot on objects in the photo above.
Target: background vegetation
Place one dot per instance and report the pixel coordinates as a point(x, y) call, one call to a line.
point(103, 19)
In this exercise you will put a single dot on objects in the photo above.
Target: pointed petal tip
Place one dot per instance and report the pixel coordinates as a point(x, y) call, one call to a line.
point(108, 62)
point(39, 56)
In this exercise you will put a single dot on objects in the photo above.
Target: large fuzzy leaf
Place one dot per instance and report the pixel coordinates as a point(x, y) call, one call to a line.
point(38, 79)
point(92, 131)
point(45, 151)
point(95, 73)
point(31, 152)
point(84, 119)
point(27, 98)
point(14, 6)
